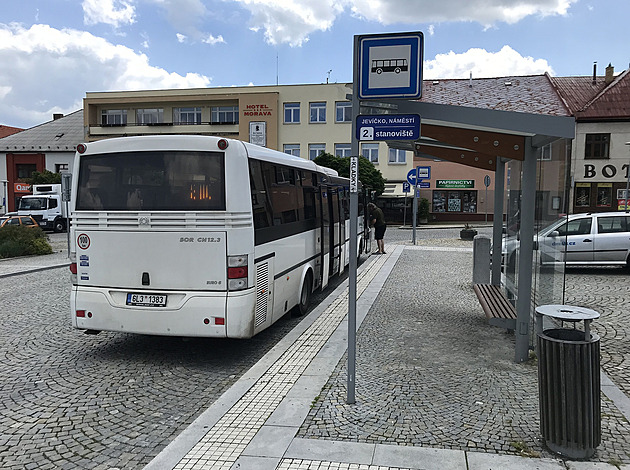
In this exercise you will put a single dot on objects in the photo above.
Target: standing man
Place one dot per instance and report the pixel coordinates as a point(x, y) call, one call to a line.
point(377, 220)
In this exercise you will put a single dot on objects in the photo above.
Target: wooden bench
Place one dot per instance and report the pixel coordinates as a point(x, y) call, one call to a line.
point(498, 309)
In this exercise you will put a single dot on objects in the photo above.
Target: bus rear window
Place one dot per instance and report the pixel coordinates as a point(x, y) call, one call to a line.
point(152, 181)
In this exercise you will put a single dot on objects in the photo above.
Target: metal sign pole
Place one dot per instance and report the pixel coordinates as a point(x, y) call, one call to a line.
point(354, 213)
point(415, 203)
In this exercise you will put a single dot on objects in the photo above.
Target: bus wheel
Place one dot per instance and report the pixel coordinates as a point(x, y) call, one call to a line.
point(305, 296)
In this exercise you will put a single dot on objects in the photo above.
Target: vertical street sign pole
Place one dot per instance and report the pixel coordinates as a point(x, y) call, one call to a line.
point(354, 211)
point(415, 203)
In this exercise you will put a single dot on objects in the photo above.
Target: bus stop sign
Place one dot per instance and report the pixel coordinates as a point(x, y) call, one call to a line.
point(390, 65)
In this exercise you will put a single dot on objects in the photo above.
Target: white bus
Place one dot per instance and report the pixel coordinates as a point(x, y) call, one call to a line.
point(200, 236)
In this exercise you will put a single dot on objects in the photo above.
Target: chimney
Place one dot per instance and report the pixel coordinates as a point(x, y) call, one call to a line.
point(594, 73)
point(57, 116)
point(610, 74)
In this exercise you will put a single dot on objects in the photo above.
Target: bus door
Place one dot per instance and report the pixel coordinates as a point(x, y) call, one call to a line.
point(325, 234)
point(335, 227)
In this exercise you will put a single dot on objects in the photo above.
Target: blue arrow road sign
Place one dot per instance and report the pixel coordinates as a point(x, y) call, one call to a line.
point(388, 127)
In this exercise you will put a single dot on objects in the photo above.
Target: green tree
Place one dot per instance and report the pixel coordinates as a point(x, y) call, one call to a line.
point(369, 175)
point(44, 177)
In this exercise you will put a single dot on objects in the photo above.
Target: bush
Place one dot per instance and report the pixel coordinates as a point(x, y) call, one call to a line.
point(23, 241)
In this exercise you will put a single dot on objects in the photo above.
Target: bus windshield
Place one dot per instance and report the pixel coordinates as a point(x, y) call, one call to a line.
point(152, 180)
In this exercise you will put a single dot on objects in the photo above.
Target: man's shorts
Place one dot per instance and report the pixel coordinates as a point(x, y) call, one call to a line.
point(379, 232)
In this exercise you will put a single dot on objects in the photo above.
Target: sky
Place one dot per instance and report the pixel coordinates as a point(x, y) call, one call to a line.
point(54, 51)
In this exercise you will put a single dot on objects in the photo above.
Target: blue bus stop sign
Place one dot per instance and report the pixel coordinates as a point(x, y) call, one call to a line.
point(390, 65)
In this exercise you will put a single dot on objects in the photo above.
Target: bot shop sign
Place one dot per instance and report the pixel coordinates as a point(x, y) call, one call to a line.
point(607, 171)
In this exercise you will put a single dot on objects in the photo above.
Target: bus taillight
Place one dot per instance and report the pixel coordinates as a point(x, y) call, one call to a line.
point(73, 268)
point(237, 272)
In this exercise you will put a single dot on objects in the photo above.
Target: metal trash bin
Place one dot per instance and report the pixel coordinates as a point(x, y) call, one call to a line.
point(569, 382)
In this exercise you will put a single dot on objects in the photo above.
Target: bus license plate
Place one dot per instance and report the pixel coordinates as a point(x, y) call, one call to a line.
point(146, 300)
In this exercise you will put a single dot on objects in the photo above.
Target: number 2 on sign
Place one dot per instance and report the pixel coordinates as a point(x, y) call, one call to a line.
point(367, 133)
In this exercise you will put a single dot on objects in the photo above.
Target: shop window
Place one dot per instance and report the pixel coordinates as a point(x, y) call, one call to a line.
point(604, 195)
point(583, 196)
point(455, 201)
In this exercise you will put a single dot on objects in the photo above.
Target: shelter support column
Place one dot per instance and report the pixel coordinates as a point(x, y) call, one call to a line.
point(525, 261)
point(497, 225)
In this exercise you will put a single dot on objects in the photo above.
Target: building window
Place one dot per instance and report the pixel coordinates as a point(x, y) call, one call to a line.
point(292, 149)
point(59, 167)
point(186, 115)
point(291, 113)
point(545, 153)
point(318, 112)
point(315, 149)
point(25, 170)
point(597, 146)
point(397, 156)
point(114, 117)
point(224, 115)
point(370, 151)
point(145, 117)
point(343, 111)
point(343, 150)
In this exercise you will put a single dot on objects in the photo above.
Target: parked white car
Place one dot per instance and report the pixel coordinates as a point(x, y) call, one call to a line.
point(599, 238)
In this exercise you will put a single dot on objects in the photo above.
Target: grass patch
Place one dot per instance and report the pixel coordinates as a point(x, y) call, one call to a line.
point(23, 241)
point(524, 450)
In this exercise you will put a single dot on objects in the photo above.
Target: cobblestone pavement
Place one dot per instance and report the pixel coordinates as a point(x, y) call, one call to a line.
point(431, 372)
point(606, 290)
point(69, 400)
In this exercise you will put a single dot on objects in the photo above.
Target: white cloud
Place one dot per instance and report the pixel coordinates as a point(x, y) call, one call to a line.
point(210, 39)
point(73, 62)
point(181, 37)
point(484, 64)
point(112, 12)
point(292, 21)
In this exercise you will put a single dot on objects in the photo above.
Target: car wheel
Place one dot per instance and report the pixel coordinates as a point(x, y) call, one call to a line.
point(305, 296)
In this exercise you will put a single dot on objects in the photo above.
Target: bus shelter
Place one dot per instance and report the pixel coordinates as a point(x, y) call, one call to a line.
point(530, 156)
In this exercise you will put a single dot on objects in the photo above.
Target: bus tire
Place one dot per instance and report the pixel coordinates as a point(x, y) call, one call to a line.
point(305, 295)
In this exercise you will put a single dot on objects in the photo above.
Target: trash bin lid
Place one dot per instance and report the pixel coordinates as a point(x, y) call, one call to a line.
point(567, 312)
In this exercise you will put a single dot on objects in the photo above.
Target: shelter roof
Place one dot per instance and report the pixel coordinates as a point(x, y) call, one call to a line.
point(59, 135)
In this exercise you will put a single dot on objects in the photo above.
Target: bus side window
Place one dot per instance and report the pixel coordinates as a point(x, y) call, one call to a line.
point(260, 200)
